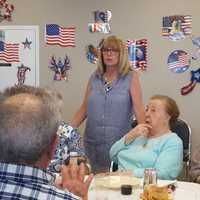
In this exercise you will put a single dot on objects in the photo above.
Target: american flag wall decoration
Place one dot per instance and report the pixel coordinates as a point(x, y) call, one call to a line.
point(62, 36)
point(178, 61)
point(176, 27)
point(9, 52)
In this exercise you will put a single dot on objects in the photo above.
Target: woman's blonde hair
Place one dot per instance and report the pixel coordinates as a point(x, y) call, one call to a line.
point(123, 65)
point(171, 107)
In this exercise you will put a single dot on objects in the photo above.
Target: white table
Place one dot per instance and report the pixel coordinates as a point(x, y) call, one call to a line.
point(184, 191)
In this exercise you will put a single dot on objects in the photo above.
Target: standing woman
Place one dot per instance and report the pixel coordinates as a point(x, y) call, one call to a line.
point(113, 96)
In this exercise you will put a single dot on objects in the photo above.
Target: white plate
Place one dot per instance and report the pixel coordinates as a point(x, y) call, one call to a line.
point(115, 182)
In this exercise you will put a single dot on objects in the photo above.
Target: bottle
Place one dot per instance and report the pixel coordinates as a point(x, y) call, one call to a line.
point(150, 177)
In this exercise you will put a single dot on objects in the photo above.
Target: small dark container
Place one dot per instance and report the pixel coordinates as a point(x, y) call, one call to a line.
point(126, 189)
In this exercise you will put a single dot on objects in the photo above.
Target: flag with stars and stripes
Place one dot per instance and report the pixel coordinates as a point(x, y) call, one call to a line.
point(57, 35)
point(178, 61)
point(9, 52)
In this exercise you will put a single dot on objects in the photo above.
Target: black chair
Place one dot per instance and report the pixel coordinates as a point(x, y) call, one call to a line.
point(183, 130)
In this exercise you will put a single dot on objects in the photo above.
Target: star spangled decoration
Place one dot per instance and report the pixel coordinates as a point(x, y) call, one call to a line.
point(196, 43)
point(27, 44)
point(195, 78)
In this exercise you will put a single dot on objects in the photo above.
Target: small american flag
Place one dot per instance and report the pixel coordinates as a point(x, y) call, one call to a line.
point(56, 35)
point(181, 64)
point(9, 52)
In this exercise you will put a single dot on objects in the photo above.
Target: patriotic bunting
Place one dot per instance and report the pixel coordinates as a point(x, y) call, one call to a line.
point(195, 78)
point(56, 35)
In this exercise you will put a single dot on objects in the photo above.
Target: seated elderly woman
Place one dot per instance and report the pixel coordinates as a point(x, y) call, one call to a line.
point(152, 144)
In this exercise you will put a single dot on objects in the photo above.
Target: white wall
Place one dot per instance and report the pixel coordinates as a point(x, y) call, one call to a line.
point(131, 19)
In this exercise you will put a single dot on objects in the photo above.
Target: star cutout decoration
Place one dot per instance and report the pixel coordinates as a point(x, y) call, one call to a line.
point(27, 44)
point(196, 75)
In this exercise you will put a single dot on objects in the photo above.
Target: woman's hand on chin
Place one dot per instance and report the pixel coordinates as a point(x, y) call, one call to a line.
point(139, 130)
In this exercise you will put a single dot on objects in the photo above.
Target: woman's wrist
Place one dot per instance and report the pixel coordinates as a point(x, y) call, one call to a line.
point(130, 136)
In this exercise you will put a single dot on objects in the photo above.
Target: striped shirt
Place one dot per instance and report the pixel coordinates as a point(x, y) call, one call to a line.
point(25, 182)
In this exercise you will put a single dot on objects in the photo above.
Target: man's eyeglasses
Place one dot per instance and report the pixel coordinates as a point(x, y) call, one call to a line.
point(111, 50)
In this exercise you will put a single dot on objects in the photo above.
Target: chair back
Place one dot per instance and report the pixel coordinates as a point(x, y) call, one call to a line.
point(183, 130)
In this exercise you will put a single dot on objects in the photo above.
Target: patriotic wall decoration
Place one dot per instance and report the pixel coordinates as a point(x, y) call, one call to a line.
point(195, 78)
point(178, 61)
point(92, 54)
point(6, 10)
point(19, 56)
point(62, 36)
point(137, 53)
point(101, 24)
point(27, 44)
point(102, 16)
point(177, 27)
point(21, 74)
point(196, 43)
point(9, 52)
point(60, 68)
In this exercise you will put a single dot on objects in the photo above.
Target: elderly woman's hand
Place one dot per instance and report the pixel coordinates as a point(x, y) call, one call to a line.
point(139, 130)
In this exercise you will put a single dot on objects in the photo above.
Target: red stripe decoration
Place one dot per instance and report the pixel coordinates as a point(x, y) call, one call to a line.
point(9, 52)
point(56, 35)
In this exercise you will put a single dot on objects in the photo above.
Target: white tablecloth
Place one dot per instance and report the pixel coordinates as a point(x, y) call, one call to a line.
point(184, 191)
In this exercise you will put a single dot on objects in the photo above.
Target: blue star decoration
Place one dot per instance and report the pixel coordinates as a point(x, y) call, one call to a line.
point(195, 75)
point(27, 44)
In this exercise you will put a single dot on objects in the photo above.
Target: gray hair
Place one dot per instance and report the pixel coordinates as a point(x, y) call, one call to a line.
point(28, 124)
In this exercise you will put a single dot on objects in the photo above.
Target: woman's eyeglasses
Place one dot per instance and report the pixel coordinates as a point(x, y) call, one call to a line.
point(111, 50)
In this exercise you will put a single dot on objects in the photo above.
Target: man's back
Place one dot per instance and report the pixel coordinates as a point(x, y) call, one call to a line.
point(24, 182)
